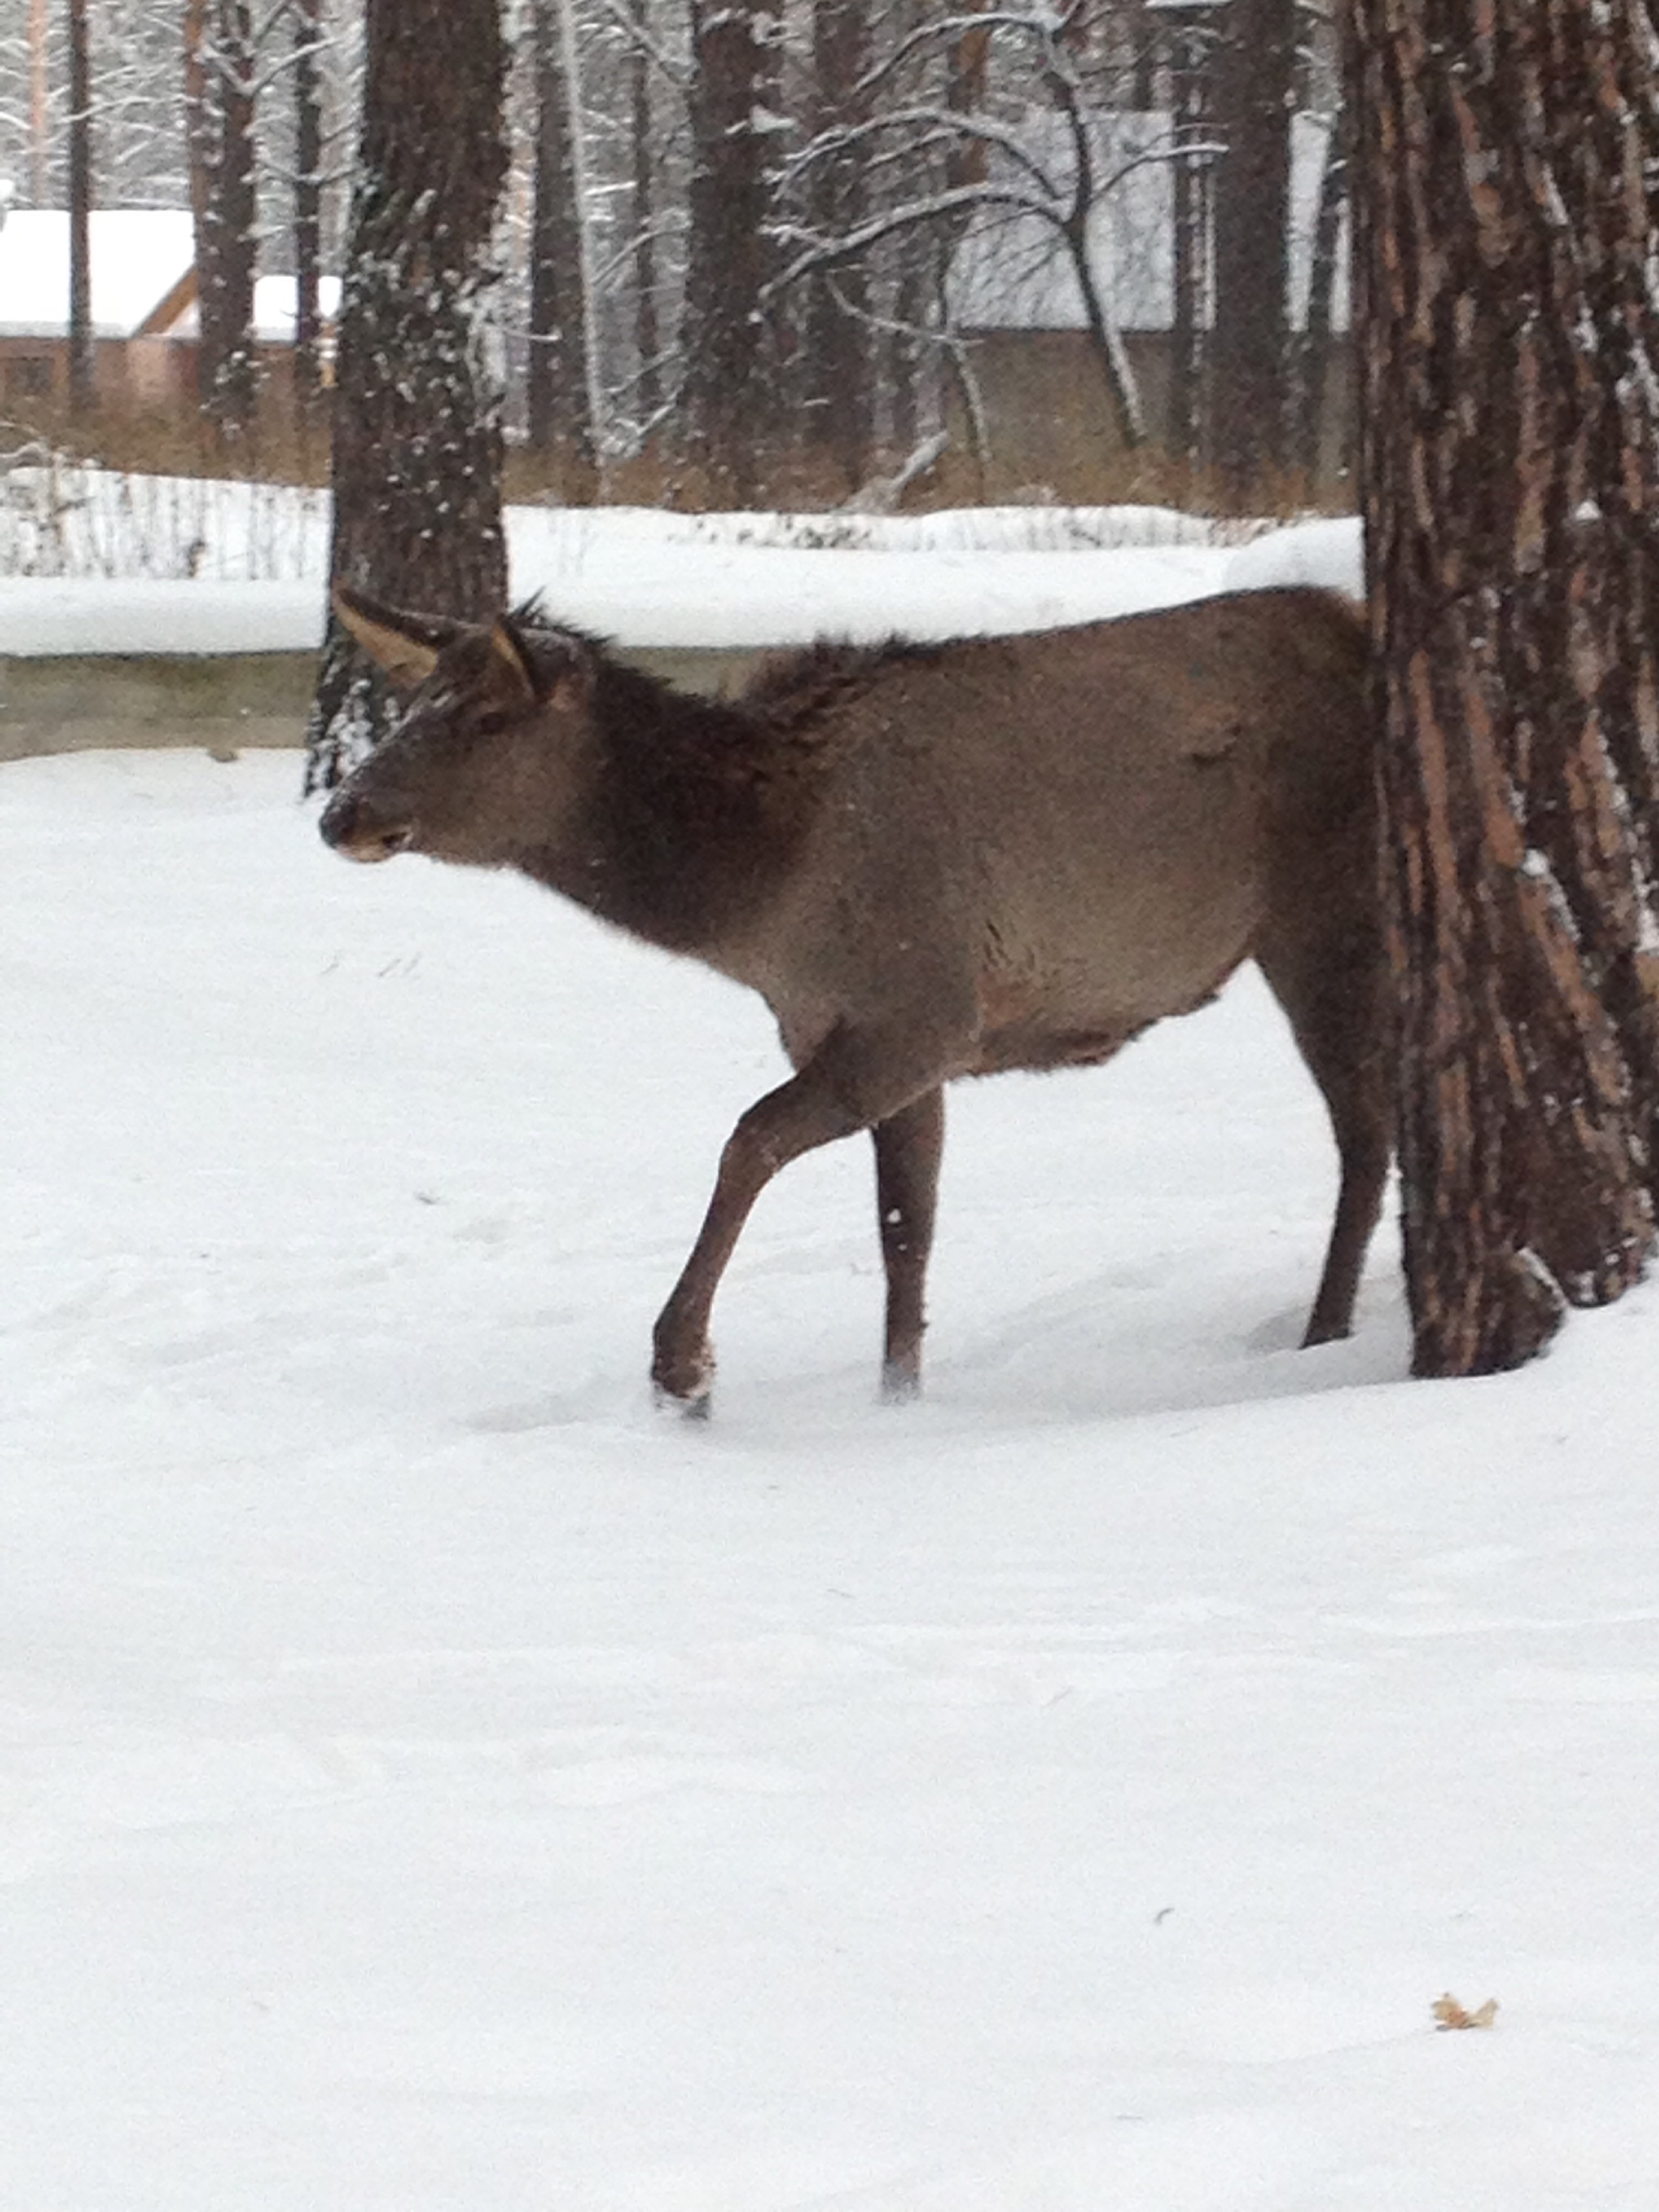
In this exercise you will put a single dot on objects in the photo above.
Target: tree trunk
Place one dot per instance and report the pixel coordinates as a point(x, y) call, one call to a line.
point(307, 213)
point(1509, 444)
point(560, 396)
point(222, 72)
point(1189, 243)
point(82, 355)
point(417, 451)
point(837, 386)
point(724, 401)
point(1254, 89)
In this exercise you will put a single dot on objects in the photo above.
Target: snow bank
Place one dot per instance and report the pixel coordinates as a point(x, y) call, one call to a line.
point(104, 563)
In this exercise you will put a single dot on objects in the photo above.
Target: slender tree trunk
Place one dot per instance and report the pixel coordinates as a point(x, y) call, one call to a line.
point(560, 394)
point(1254, 87)
point(1190, 188)
point(307, 213)
point(724, 400)
point(836, 386)
point(417, 444)
point(1511, 426)
point(227, 213)
point(82, 342)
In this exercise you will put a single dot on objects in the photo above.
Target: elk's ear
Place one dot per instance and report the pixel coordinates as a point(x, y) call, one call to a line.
point(511, 667)
point(405, 646)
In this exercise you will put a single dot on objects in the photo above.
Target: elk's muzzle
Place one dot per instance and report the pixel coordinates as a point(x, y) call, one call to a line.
point(351, 828)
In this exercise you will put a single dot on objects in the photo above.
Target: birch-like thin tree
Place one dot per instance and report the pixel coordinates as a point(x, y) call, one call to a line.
point(1504, 152)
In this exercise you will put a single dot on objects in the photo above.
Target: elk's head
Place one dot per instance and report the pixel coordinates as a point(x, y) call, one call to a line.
point(484, 765)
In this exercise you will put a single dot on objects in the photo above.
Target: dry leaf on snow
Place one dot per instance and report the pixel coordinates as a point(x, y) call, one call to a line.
point(1449, 2013)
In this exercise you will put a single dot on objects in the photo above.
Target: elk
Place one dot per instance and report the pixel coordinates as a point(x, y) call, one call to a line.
point(931, 861)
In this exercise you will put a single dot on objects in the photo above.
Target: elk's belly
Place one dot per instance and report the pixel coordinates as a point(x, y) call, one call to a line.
point(1036, 1017)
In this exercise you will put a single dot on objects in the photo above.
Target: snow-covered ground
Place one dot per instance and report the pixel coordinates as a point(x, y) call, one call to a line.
point(431, 1781)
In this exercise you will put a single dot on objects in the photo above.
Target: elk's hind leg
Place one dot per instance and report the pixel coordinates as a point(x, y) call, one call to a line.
point(1333, 996)
point(907, 1148)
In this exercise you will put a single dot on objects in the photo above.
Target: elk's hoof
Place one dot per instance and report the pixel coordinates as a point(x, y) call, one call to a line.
point(901, 1383)
point(685, 1379)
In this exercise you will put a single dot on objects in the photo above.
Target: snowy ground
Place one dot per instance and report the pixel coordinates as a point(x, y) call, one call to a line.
point(431, 1780)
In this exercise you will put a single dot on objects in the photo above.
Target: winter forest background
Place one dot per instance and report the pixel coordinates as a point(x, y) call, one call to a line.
point(801, 252)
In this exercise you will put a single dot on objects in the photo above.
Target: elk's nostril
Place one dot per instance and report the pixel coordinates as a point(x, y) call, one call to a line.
point(347, 826)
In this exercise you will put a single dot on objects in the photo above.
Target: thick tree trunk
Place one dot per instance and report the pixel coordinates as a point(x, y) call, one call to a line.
point(724, 402)
point(1254, 86)
point(416, 430)
point(560, 398)
point(82, 358)
point(1512, 390)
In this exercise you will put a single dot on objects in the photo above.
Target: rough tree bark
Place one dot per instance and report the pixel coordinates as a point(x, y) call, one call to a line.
point(417, 431)
point(1502, 152)
point(1254, 87)
point(560, 391)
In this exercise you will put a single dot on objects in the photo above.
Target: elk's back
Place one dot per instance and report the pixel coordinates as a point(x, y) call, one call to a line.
point(1075, 832)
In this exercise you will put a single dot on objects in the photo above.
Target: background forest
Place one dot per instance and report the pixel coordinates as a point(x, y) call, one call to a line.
point(801, 252)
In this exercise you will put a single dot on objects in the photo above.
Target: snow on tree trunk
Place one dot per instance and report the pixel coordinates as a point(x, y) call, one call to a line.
point(1510, 501)
point(416, 432)
point(219, 75)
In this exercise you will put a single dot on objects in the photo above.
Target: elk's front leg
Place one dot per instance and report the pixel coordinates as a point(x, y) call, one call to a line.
point(907, 1148)
point(855, 1080)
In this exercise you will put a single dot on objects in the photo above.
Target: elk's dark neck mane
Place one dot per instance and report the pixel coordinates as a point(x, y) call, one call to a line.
point(692, 807)
point(792, 691)
point(696, 806)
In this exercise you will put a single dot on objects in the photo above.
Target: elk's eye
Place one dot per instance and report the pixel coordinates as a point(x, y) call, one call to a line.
point(491, 723)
